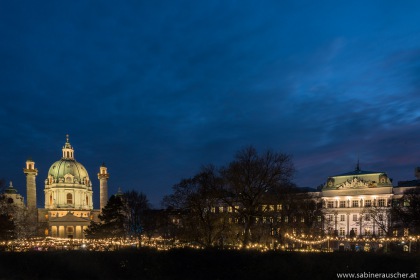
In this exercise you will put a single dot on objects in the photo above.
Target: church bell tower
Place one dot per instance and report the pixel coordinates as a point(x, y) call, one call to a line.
point(31, 173)
point(103, 177)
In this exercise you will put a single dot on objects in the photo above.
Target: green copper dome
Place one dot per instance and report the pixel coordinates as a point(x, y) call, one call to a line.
point(68, 166)
point(67, 169)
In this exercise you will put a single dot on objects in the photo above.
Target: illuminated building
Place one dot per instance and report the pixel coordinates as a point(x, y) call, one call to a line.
point(68, 196)
point(357, 203)
point(13, 196)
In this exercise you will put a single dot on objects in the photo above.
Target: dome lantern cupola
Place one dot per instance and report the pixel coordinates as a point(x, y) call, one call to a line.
point(68, 152)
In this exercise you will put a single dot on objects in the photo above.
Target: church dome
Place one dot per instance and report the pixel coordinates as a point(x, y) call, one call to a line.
point(67, 170)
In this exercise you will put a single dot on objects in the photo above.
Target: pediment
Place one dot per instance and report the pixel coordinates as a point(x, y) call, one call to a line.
point(356, 183)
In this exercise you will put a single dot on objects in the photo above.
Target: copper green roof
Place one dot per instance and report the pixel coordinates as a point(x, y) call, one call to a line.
point(10, 189)
point(68, 166)
point(357, 172)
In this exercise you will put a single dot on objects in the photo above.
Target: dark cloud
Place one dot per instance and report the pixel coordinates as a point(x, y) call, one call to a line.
point(157, 89)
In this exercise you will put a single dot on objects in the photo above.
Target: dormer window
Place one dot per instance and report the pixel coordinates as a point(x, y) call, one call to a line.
point(68, 178)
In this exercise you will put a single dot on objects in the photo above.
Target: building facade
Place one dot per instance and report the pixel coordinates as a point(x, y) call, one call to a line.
point(357, 203)
point(362, 203)
point(68, 194)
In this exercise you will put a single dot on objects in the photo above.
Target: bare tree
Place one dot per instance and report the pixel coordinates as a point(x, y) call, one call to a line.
point(378, 218)
point(137, 206)
point(198, 198)
point(406, 210)
point(249, 177)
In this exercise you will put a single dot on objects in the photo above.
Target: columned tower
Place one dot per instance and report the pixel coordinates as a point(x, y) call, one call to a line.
point(103, 177)
point(31, 173)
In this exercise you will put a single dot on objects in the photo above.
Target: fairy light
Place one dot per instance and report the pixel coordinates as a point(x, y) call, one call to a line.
point(162, 244)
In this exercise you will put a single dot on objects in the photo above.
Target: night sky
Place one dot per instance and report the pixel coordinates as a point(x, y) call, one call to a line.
point(156, 89)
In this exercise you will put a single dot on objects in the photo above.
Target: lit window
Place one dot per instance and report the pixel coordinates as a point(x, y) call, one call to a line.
point(342, 231)
point(279, 219)
point(69, 198)
point(406, 230)
point(342, 204)
point(213, 209)
point(271, 208)
point(368, 203)
point(319, 218)
point(330, 218)
point(230, 209)
point(355, 203)
point(368, 231)
point(342, 218)
point(302, 219)
point(330, 204)
point(381, 202)
point(286, 219)
point(354, 217)
point(279, 207)
point(221, 209)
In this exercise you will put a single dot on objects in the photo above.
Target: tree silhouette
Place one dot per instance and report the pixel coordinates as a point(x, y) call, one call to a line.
point(112, 220)
point(249, 177)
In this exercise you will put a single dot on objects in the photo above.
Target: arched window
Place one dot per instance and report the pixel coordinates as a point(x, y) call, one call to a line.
point(87, 200)
point(69, 198)
point(51, 199)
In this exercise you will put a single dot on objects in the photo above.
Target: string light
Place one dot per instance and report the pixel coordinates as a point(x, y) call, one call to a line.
point(160, 243)
point(354, 239)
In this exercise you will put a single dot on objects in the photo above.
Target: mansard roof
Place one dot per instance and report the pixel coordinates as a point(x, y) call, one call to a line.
point(358, 172)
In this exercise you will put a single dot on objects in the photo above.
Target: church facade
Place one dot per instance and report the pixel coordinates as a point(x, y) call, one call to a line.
point(68, 194)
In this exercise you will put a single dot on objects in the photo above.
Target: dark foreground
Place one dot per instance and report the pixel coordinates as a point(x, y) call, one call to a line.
point(197, 264)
